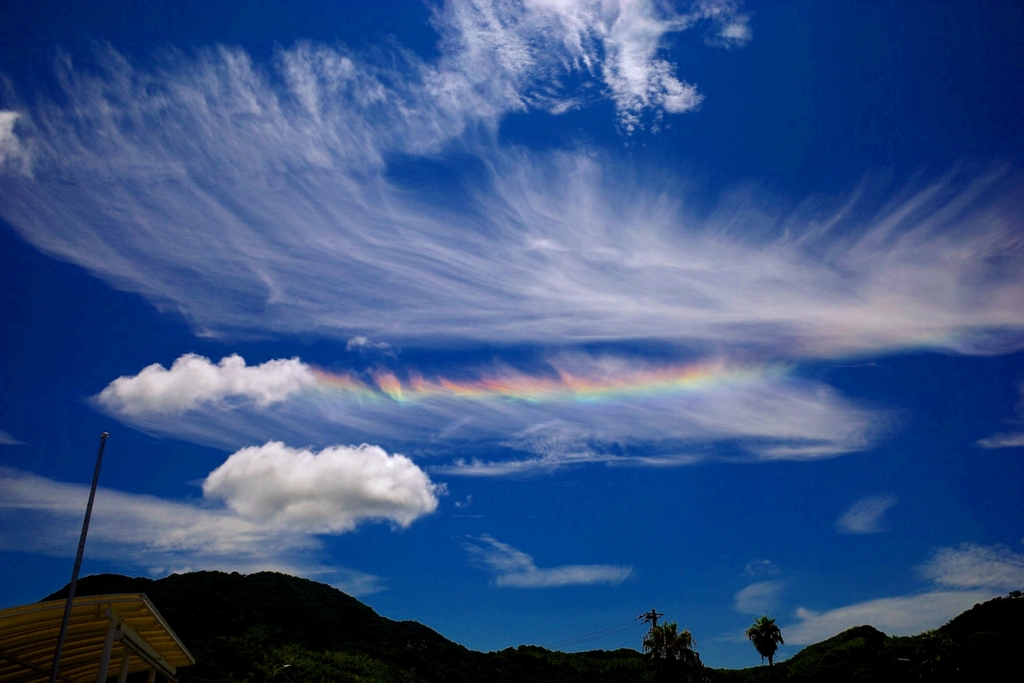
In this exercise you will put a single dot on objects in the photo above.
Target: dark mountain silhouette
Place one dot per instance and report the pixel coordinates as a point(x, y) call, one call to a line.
point(982, 644)
point(241, 628)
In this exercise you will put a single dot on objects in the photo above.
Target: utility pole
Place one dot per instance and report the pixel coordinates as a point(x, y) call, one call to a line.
point(78, 562)
point(651, 617)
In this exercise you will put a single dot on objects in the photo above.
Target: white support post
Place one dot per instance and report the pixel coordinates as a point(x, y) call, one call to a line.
point(152, 676)
point(122, 673)
point(108, 648)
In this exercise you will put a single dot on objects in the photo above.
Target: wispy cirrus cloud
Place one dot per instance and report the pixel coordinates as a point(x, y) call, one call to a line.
point(961, 577)
point(900, 616)
point(572, 410)
point(256, 199)
point(515, 569)
point(865, 516)
point(970, 565)
point(8, 440)
point(526, 48)
point(364, 345)
point(1006, 439)
point(761, 568)
point(1010, 440)
point(14, 157)
point(760, 597)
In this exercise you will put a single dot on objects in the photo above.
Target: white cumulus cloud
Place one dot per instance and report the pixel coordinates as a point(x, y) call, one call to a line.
point(322, 492)
point(263, 509)
point(514, 568)
point(865, 516)
point(193, 381)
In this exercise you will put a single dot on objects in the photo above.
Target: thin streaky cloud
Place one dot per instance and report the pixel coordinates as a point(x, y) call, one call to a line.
point(759, 598)
point(1007, 439)
point(865, 516)
point(896, 616)
point(515, 569)
point(1010, 440)
point(569, 575)
point(256, 200)
point(970, 565)
point(363, 345)
point(761, 568)
point(14, 157)
point(158, 536)
point(961, 577)
point(8, 440)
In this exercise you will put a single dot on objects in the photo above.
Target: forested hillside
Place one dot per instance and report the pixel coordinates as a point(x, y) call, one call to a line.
point(242, 628)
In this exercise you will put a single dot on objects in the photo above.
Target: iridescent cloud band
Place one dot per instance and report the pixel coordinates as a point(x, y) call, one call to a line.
point(596, 384)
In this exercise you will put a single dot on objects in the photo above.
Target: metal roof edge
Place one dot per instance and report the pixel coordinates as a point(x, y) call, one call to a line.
point(159, 617)
point(112, 599)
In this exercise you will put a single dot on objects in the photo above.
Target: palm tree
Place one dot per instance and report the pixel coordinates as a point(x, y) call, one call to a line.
point(670, 653)
point(766, 637)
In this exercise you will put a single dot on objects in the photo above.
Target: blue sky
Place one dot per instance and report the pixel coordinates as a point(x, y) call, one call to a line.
point(520, 318)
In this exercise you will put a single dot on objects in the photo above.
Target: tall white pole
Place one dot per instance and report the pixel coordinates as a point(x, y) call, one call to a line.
point(78, 562)
point(108, 648)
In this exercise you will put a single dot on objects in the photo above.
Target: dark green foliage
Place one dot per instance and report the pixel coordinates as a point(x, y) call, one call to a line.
point(240, 628)
point(766, 637)
point(670, 654)
point(851, 655)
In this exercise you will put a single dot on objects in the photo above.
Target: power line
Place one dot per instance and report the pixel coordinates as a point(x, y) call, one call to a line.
point(580, 641)
point(651, 617)
point(601, 633)
point(594, 633)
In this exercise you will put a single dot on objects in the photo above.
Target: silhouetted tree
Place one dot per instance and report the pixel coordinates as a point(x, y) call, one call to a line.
point(671, 655)
point(766, 637)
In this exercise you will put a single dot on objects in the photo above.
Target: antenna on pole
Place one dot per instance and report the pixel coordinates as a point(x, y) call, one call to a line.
point(651, 617)
point(78, 562)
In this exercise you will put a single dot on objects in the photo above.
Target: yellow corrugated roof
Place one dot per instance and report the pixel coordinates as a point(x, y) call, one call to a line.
point(28, 638)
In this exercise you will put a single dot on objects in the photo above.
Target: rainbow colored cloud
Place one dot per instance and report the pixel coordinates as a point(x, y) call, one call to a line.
point(600, 384)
